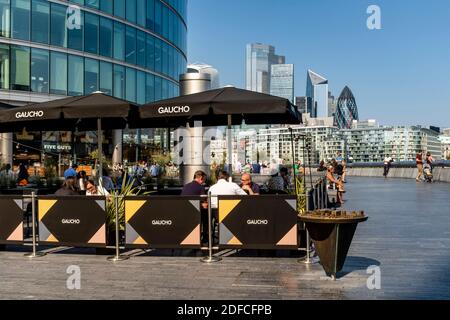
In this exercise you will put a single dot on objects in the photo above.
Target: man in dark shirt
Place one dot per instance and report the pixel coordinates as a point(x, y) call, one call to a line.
point(248, 186)
point(195, 187)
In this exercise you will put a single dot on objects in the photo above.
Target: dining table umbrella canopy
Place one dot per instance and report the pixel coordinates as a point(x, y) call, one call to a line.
point(224, 106)
point(69, 114)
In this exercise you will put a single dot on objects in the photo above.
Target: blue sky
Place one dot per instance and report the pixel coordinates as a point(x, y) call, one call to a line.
point(399, 74)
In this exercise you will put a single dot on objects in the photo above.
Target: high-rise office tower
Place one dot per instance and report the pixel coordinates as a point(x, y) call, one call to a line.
point(259, 59)
point(346, 110)
point(282, 81)
point(317, 90)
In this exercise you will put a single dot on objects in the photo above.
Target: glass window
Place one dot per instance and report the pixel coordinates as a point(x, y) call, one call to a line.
point(106, 6)
point(158, 59)
point(91, 25)
point(39, 70)
point(106, 37)
point(171, 63)
point(5, 7)
point(150, 88)
point(4, 66)
point(76, 75)
point(58, 30)
point(58, 73)
point(150, 16)
point(130, 82)
point(141, 12)
point(119, 41)
point(165, 89)
point(119, 82)
point(40, 19)
point(140, 87)
point(165, 22)
point(150, 52)
point(106, 77)
point(20, 19)
point(20, 68)
point(91, 75)
point(80, 2)
point(171, 25)
point(130, 45)
point(131, 10)
point(158, 88)
point(75, 33)
point(165, 58)
point(158, 18)
point(119, 8)
point(141, 49)
point(93, 3)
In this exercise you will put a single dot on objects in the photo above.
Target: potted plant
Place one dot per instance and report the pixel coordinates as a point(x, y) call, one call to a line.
point(127, 189)
point(332, 233)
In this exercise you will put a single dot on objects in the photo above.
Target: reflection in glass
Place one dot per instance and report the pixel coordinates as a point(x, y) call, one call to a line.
point(39, 70)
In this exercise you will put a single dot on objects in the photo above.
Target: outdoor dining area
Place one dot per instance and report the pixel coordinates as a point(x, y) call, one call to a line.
point(130, 217)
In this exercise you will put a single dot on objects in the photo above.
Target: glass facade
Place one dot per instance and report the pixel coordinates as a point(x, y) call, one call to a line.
point(135, 49)
point(282, 81)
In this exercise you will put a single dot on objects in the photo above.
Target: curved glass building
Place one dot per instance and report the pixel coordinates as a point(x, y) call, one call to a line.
point(346, 110)
point(131, 49)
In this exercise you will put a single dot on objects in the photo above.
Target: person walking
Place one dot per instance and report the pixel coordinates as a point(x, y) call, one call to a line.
point(419, 164)
point(387, 165)
point(429, 159)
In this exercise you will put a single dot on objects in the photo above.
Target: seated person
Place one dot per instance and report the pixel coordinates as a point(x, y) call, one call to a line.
point(197, 186)
point(248, 186)
point(276, 183)
point(69, 188)
point(93, 190)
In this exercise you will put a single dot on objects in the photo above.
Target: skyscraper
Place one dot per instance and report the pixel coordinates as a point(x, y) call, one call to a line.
point(346, 110)
point(282, 81)
point(317, 90)
point(259, 59)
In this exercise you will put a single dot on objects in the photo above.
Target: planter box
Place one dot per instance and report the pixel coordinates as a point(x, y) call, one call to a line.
point(332, 237)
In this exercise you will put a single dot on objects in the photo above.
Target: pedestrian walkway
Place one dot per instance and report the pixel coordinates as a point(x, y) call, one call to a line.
point(407, 236)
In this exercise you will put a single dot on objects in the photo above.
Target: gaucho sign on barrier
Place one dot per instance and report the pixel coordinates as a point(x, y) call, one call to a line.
point(162, 222)
point(73, 221)
point(11, 220)
point(258, 222)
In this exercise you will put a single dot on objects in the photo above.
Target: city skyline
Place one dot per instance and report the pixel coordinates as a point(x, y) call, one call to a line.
point(389, 70)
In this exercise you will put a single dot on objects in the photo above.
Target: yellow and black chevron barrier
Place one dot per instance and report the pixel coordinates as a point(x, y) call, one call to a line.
point(163, 222)
point(258, 222)
point(72, 221)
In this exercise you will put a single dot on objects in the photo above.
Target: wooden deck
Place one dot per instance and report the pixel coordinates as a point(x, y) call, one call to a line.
point(407, 236)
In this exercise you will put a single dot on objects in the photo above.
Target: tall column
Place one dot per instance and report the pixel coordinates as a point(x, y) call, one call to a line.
point(193, 145)
point(117, 142)
point(6, 148)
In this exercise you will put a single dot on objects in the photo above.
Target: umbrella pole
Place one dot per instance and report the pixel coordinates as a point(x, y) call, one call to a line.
point(100, 146)
point(229, 147)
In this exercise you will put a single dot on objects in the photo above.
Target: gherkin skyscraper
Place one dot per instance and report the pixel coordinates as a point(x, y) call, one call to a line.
point(346, 110)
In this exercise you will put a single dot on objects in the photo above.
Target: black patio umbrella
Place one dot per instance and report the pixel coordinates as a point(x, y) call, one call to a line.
point(225, 106)
point(95, 111)
point(219, 107)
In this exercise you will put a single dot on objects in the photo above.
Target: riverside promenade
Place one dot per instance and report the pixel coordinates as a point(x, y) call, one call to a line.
point(407, 236)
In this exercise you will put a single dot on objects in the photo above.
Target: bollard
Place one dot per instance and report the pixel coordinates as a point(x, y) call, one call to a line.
point(210, 258)
point(117, 257)
point(34, 254)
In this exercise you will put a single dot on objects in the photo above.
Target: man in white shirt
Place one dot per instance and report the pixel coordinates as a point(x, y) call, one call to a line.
point(224, 187)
